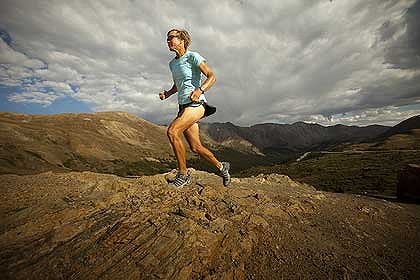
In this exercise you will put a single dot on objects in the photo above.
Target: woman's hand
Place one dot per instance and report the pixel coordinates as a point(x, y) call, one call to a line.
point(162, 94)
point(195, 95)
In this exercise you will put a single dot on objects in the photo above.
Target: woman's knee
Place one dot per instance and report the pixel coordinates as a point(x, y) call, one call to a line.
point(172, 133)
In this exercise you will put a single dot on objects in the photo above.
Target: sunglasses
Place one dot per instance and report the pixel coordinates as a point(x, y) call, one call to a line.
point(171, 36)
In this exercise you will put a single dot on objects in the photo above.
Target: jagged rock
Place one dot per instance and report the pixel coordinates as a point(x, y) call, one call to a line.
point(97, 226)
point(408, 186)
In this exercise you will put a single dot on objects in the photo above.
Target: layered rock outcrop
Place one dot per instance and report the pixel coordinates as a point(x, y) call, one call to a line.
point(96, 226)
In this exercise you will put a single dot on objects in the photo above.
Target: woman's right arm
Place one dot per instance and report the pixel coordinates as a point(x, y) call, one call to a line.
point(165, 94)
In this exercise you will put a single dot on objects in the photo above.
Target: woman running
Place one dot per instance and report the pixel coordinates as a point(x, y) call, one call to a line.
point(186, 68)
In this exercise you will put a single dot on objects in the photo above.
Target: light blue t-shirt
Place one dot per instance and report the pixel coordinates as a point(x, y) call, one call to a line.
point(187, 75)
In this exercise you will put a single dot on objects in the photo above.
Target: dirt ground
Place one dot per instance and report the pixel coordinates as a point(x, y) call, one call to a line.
point(84, 225)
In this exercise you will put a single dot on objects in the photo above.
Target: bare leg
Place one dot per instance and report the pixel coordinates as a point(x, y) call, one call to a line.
point(192, 134)
point(188, 117)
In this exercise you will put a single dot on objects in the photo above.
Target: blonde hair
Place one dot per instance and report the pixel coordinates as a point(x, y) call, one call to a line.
point(183, 35)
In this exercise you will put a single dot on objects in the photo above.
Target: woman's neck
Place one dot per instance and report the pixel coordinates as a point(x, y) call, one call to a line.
point(180, 52)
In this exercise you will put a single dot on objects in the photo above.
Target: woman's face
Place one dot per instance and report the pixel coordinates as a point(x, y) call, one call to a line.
point(173, 41)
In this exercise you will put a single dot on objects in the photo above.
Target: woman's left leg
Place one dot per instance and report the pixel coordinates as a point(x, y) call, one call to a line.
point(192, 135)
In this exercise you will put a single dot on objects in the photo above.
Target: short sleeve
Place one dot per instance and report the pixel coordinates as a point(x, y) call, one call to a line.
point(196, 59)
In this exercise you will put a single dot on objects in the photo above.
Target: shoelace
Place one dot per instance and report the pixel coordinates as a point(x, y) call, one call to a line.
point(225, 172)
point(180, 179)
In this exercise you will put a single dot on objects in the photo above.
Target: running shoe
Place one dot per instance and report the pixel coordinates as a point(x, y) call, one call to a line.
point(181, 180)
point(225, 173)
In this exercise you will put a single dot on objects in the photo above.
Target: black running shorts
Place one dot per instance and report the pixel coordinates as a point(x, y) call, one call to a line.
point(208, 109)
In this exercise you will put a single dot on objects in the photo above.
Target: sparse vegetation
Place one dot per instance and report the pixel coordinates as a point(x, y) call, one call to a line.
point(370, 172)
point(239, 161)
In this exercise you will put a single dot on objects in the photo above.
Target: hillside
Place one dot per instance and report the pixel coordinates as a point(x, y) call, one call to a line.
point(357, 172)
point(89, 226)
point(99, 141)
point(409, 140)
point(403, 127)
point(403, 136)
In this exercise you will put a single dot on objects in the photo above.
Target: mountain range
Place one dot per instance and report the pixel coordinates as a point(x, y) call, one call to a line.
point(293, 138)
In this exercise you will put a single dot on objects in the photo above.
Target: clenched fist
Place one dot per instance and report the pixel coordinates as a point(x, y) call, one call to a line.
point(162, 94)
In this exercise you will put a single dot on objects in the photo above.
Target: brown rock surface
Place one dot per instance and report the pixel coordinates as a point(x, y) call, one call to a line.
point(96, 226)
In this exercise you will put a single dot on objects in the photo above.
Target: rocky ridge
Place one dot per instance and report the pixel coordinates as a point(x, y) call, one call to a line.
point(84, 225)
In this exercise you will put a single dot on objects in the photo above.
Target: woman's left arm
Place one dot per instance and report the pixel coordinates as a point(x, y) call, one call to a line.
point(211, 78)
point(208, 83)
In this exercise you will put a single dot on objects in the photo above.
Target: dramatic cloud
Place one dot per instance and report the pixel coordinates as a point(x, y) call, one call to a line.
point(341, 61)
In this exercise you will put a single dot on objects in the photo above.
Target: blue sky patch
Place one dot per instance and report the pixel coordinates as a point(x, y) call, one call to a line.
point(65, 104)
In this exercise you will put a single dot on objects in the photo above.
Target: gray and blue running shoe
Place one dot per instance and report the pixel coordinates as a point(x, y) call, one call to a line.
point(225, 173)
point(181, 180)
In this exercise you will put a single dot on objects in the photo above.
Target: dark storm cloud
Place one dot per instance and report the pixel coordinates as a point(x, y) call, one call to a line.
point(405, 53)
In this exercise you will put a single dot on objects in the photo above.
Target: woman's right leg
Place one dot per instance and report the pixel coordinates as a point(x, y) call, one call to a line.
point(186, 119)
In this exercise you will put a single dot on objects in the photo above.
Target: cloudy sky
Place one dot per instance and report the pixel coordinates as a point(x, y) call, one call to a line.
point(354, 62)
